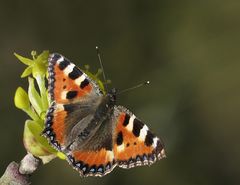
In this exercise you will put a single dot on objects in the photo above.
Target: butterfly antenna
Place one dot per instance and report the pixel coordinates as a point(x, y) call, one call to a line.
point(134, 87)
point(101, 64)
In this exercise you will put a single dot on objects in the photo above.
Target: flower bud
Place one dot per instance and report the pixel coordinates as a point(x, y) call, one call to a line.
point(21, 99)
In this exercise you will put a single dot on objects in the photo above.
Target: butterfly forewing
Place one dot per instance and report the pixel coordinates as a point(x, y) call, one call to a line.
point(74, 99)
point(67, 82)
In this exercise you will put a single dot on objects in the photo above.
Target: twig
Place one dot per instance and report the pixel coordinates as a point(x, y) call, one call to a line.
point(19, 174)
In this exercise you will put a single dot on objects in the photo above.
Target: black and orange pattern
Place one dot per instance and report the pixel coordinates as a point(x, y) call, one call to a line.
point(87, 126)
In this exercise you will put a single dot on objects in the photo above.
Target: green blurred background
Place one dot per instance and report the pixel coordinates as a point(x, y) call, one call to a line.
point(189, 50)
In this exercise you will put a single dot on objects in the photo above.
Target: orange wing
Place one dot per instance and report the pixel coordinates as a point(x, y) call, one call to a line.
point(92, 163)
point(67, 82)
point(68, 86)
point(134, 144)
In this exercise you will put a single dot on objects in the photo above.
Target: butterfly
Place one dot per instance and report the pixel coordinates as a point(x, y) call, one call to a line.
point(85, 124)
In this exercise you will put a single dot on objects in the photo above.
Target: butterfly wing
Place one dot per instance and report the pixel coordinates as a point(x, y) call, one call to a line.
point(133, 143)
point(74, 99)
point(121, 140)
point(67, 83)
point(95, 157)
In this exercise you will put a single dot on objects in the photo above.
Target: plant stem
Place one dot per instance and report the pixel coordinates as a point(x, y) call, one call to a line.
point(41, 84)
point(31, 113)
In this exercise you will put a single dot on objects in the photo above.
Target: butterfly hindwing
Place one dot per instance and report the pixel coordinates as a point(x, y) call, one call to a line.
point(134, 144)
point(92, 163)
point(74, 99)
point(65, 122)
point(95, 157)
point(123, 140)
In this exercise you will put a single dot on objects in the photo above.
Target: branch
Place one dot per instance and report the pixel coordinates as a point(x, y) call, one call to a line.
point(19, 174)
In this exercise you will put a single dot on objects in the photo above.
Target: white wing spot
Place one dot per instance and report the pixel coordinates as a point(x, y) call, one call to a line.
point(110, 155)
point(64, 95)
point(130, 124)
point(80, 79)
point(121, 148)
point(68, 69)
point(60, 106)
point(155, 140)
point(143, 133)
point(163, 153)
point(60, 60)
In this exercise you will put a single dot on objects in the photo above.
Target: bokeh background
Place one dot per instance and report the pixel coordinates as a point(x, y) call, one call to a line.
point(189, 50)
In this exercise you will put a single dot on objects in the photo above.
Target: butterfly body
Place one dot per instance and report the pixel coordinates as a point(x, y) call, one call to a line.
point(89, 128)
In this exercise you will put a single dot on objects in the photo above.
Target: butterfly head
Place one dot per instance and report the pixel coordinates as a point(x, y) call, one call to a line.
point(112, 95)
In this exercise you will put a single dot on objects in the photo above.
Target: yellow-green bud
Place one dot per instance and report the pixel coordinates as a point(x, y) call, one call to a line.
point(21, 99)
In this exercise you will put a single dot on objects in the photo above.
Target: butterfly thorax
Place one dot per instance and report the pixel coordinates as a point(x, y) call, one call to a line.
point(103, 112)
point(106, 106)
point(111, 95)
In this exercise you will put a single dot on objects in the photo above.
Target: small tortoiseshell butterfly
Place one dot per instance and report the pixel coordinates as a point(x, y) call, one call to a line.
point(86, 125)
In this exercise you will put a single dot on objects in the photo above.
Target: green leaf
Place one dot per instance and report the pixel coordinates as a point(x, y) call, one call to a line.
point(61, 155)
point(43, 91)
point(21, 99)
point(27, 72)
point(34, 142)
point(24, 60)
point(39, 68)
point(96, 79)
point(34, 97)
point(43, 56)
